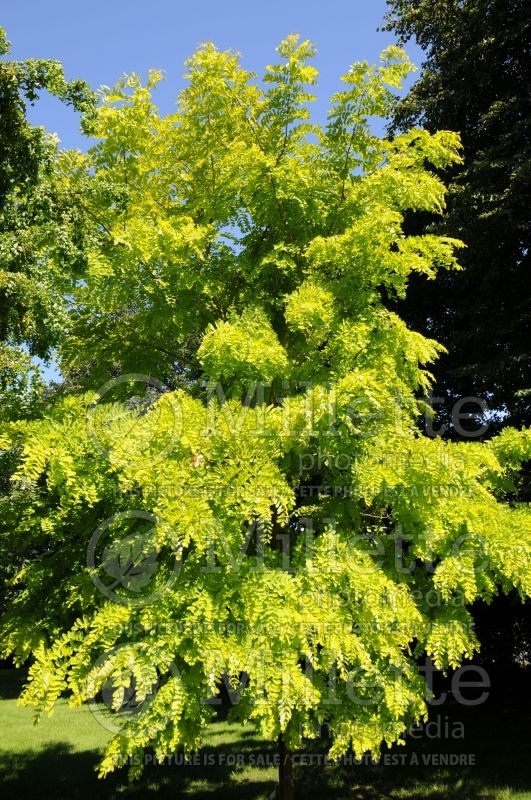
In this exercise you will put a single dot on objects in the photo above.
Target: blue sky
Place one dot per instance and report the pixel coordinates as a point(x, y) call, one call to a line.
point(99, 41)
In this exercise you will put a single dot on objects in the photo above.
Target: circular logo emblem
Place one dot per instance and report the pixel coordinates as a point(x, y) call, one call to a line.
point(127, 564)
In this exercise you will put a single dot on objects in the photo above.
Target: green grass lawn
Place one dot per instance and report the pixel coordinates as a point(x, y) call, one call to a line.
point(56, 760)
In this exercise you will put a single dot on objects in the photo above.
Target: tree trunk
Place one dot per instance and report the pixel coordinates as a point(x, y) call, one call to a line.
point(286, 786)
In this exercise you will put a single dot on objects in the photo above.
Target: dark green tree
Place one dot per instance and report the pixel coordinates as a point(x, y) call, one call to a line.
point(475, 81)
point(42, 229)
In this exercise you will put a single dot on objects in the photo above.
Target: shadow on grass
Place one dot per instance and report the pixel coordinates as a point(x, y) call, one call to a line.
point(500, 748)
point(56, 772)
point(501, 766)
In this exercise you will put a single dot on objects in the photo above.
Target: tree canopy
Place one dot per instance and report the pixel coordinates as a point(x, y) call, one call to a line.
point(239, 487)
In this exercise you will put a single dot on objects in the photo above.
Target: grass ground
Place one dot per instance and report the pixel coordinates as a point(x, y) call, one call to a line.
point(56, 759)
